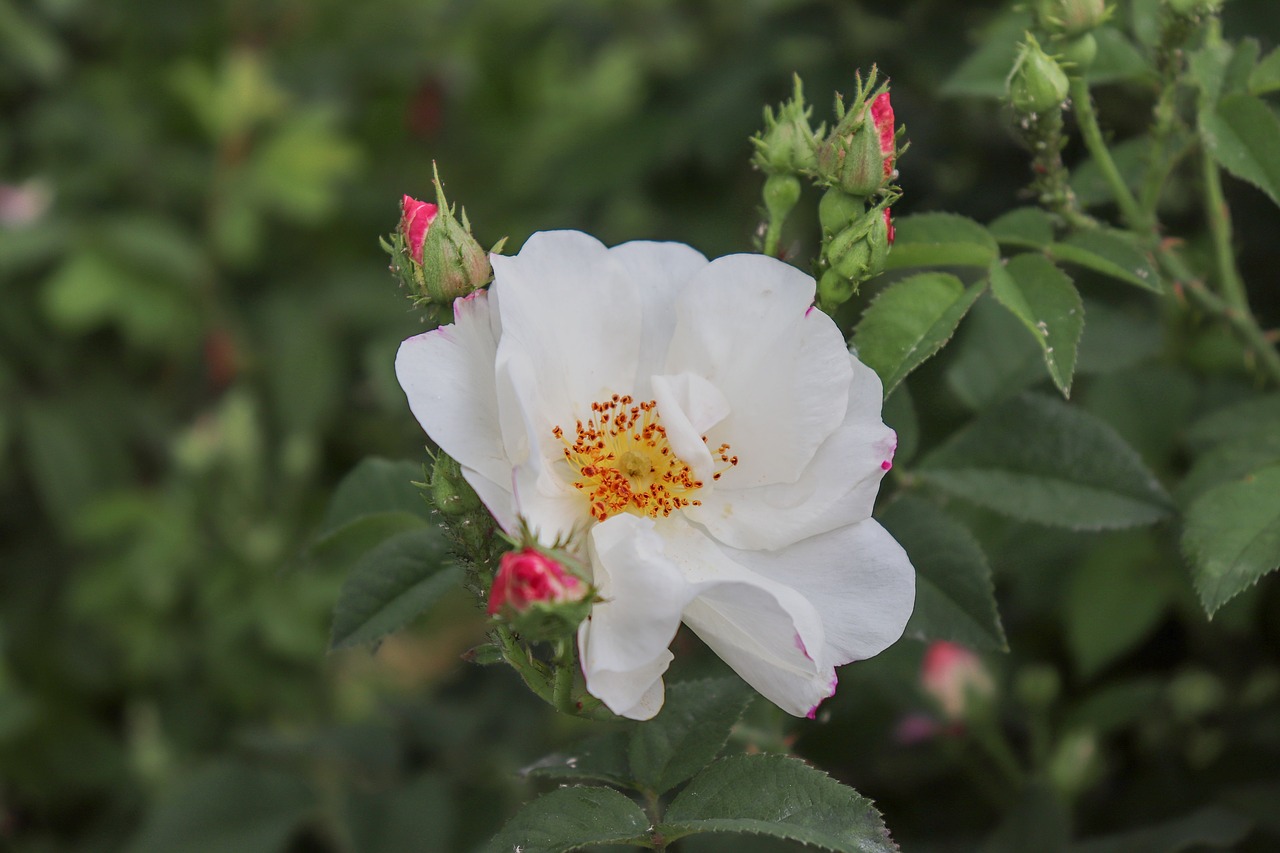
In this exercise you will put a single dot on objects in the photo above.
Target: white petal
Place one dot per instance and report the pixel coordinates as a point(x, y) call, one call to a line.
point(660, 271)
point(744, 324)
point(838, 487)
point(623, 645)
point(689, 406)
point(571, 309)
point(447, 376)
point(859, 579)
point(496, 497)
point(759, 626)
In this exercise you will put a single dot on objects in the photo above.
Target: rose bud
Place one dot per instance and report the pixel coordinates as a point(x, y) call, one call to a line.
point(956, 678)
point(540, 598)
point(1037, 84)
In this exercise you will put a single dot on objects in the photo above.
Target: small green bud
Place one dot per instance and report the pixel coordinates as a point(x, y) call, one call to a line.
point(860, 250)
point(1071, 17)
point(837, 210)
point(1078, 53)
point(834, 289)
point(781, 192)
point(450, 493)
point(786, 144)
point(1037, 83)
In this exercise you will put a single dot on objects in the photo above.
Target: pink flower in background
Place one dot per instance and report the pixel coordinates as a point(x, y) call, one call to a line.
point(416, 218)
point(529, 577)
point(954, 677)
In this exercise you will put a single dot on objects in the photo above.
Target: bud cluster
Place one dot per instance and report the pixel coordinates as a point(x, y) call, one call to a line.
point(854, 163)
point(434, 255)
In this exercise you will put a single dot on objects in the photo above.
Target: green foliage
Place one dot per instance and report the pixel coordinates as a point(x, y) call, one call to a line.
point(955, 600)
point(690, 732)
point(1047, 303)
point(1039, 460)
point(1243, 135)
point(1232, 535)
point(568, 818)
point(939, 240)
point(909, 322)
point(780, 797)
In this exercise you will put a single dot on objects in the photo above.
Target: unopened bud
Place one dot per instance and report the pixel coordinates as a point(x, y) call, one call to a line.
point(1037, 83)
point(860, 250)
point(837, 210)
point(857, 157)
point(435, 255)
point(1071, 17)
point(1078, 53)
point(956, 678)
point(786, 144)
point(541, 598)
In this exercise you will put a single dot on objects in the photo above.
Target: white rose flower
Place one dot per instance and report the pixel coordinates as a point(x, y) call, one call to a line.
point(705, 437)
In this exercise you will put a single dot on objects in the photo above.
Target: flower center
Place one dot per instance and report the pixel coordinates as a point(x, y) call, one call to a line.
point(624, 463)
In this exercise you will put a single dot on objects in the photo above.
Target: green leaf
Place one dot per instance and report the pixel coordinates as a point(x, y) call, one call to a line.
point(373, 487)
point(781, 797)
point(940, 240)
point(1227, 462)
point(1232, 536)
point(955, 600)
point(1265, 77)
point(688, 734)
point(1243, 135)
point(1044, 299)
point(1242, 421)
point(1208, 827)
point(598, 759)
point(1110, 254)
point(226, 808)
point(909, 321)
point(992, 358)
point(392, 584)
point(1115, 599)
point(1117, 58)
point(1025, 227)
point(1149, 406)
point(569, 818)
point(1038, 459)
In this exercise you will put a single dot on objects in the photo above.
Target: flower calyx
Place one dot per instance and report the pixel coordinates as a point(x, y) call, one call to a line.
point(539, 594)
point(858, 155)
point(435, 256)
point(855, 252)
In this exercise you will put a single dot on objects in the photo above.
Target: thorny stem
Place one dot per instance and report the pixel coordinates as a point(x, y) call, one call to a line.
point(562, 685)
point(653, 810)
point(1044, 136)
point(1234, 308)
point(1244, 324)
point(1087, 119)
point(1219, 216)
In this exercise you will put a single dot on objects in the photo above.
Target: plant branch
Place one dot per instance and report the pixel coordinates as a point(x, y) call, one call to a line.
point(1087, 119)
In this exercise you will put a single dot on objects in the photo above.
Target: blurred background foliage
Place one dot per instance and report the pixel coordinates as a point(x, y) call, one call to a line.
point(196, 343)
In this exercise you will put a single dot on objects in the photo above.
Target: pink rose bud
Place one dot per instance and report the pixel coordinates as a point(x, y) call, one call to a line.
point(888, 226)
point(526, 578)
point(416, 218)
point(882, 117)
point(955, 677)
